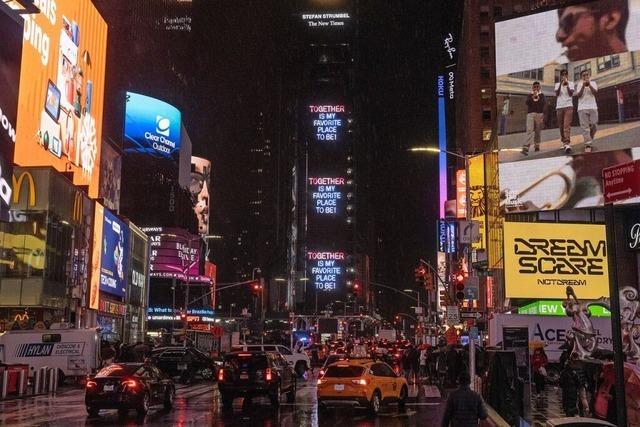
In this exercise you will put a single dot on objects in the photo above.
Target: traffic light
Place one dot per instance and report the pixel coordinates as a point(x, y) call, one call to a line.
point(420, 272)
point(428, 282)
point(355, 289)
point(183, 316)
point(256, 288)
point(459, 284)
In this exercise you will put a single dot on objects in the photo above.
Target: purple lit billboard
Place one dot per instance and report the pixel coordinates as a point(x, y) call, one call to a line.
point(174, 253)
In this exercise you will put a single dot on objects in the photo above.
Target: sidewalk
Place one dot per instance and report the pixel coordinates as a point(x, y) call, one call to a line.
point(547, 405)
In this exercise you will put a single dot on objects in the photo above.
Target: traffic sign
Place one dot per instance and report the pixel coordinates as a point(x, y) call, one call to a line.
point(621, 182)
point(453, 314)
point(470, 314)
point(473, 333)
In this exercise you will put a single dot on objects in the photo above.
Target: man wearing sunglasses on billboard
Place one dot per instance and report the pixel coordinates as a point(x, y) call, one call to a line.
point(593, 29)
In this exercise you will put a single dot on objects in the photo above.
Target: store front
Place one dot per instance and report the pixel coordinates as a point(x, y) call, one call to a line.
point(137, 293)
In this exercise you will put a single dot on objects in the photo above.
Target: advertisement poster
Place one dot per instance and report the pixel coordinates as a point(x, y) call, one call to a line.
point(94, 284)
point(114, 255)
point(477, 198)
point(174, 253)
point(62, 90)
point(567, 89)
point(199, 188)
point(151, 127)
point(110, 173)
point(10, 57)
point(542, 259)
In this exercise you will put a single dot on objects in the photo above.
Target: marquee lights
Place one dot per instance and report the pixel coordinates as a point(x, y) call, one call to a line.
point(327, 121)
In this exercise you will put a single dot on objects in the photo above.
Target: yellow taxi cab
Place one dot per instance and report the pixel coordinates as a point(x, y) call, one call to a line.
point(361, 383)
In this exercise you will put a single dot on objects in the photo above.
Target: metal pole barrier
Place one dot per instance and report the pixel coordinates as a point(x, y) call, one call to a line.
point(21, 381)
point(4, 379)
point(36, 381)
point(52, 374)
point(472, 363)
point(43, 378)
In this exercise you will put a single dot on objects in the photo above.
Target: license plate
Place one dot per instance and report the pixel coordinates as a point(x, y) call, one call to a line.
point(244, 376)
point(108, 387)
point(182, 366)
point(338, 387)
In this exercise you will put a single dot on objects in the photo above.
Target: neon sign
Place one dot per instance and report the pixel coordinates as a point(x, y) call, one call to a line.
point(326, 121)
point(326, 194)
point(326, 269)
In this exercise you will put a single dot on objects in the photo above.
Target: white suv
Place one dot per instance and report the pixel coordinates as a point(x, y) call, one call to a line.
point(299, 361)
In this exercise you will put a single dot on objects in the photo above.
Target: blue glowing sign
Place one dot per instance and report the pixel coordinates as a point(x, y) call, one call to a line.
point(114, 255)
point(151, 127)
point(326, 194)
point(327, 121)
point(326, 269)
point(446, 236)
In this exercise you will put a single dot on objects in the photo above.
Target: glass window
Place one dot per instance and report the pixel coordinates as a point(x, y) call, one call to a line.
point(119, 370)
point(51, 338)
point(344, 371)
point(377, 370)
point(579, 69)
point(269, 348)
point(607, 62)
point(387, 371)
point(284, 350)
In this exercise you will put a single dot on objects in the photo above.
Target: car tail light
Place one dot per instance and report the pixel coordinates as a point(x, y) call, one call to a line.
point(221, 375)
point(91, 384)
point(321, 381)
point(130, 383)
point(360, 381)
point(268, 375)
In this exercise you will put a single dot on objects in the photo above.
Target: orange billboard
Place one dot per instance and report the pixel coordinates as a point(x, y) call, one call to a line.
point(62, 90)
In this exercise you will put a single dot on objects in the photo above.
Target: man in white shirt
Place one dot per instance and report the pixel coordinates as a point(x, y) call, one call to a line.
point(564, 109)
point(586, 91)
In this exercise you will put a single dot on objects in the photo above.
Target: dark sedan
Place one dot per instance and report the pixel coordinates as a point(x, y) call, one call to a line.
point(125, 386)
point(186, 362)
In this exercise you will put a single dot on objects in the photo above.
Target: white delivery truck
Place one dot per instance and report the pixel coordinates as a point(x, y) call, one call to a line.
point(74, 352)
point(548, 330)
point(387, 334)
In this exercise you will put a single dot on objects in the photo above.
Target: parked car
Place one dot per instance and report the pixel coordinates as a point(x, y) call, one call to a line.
point(125, 386)
point(256, 373)
point(299, 361)
point(186, 362)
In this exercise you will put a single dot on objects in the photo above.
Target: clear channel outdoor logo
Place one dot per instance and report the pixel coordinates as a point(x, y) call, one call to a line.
point(163, 125)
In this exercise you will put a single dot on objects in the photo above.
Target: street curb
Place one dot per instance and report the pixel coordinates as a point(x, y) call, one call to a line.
point(495, 418)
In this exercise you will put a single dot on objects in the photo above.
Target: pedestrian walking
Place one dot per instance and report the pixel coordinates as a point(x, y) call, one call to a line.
point(406, 364)
point(423, 362)
point(452, 365)
point(465, 407)
point(539, 363)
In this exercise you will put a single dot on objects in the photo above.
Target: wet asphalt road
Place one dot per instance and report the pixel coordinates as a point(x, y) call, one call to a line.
point(198, 405)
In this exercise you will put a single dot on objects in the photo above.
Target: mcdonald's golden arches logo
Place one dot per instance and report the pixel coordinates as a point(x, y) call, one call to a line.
point(78, 207)
point(17, 189)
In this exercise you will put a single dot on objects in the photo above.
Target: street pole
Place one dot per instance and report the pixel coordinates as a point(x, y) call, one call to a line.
point(616, 327)
point(173, 313)
point(186, 304)
point(472, 362)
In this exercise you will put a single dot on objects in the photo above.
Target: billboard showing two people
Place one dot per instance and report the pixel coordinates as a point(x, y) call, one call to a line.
point(568, 93)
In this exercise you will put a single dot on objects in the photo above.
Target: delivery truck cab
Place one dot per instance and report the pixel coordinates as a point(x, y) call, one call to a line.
point(74, 352)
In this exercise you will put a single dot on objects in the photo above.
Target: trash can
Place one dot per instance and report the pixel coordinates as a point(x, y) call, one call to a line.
point(14, 378)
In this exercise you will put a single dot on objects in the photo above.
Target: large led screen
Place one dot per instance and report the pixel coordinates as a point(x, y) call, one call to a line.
point(151, 127)
point(10, 57)
point(542, 259)
point(199, 189)
point(110, 254)
point(568, 88)
point(62, 90)
point(174, 253)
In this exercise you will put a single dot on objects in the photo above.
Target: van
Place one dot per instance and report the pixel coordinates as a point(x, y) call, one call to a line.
point(74, 352)
point(299, 361)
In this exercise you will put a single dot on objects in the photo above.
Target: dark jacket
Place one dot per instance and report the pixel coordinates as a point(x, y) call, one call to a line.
point(535, 106)
point(464, 408)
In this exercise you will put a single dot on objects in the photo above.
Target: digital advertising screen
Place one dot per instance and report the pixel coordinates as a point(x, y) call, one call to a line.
point(568, 88)
point(151, 127)
point(542, 259)
point(62, 90)
point(110, 177)
point(199, 189)
point(10, 59)
point(173, 253)
point(114, 255)
point(326, 270)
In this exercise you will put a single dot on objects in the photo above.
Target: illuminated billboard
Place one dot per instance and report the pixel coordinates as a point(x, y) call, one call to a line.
point(111, 250)
point(567, 85)
point(110, 174)
point(542, 259)
point(62, 90)
point(10, 58)
point(174, 253)
point(151, 127)
point(199, 189)
point(327, 121)
point(326, 269)
point(326, 195)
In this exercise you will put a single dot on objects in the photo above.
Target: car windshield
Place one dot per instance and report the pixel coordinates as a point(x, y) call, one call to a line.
point(344, 371)
point(117, 370)
point(334, 358)
point(246, 362)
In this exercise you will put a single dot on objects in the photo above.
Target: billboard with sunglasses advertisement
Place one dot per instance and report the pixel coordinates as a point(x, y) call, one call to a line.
point(567, 85)
point(199, 189)
point(62, 90)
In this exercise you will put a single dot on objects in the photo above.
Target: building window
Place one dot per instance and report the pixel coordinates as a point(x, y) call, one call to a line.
point(484, 52)
point(608, 62)
point(486, 134)
point(484, 30)
point(484, 73)
point(579, 69)
point(497, 11)
point(486, 115)
point(535, 74)
point(485, 93)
